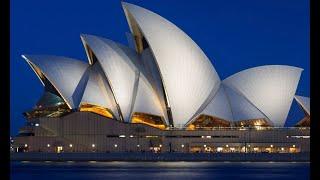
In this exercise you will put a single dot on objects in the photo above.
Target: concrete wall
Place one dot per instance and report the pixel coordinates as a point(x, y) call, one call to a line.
point(83, 129)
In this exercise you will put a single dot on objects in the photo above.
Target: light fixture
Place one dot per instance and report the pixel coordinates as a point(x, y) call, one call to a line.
point(138, 145)
point(25, 145)
point(93, 145)
point(115, 145)
point(160, 145)
point(204, 145)
point(293, 145)
point(131, 136)
point(249, 145)
point(282, 149)
point(271, 145)
point(70, 145)
point(182, 145)
point(37, 124)
point(227, 145)
point(122, 136)
point(48, 145)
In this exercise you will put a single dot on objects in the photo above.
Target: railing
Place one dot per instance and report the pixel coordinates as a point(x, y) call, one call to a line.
point(239, 128)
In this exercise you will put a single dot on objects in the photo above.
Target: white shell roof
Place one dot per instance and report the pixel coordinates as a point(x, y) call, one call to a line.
point(187, 74)
point(116, 62)
point(146, 100)
point(65, 74)
point(270, 88)
point(97, 90)
point(219, 106)
point(241, 108)
point(304, 103)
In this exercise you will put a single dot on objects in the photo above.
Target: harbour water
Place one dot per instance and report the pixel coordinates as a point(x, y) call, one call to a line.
point(159, 170)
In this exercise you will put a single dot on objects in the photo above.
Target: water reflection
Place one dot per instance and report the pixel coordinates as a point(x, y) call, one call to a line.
point(159, 170)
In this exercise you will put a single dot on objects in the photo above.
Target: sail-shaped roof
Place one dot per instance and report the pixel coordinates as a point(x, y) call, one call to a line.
point(187, 74)
point(65, 74)
point(270, 88)
point(304, 102)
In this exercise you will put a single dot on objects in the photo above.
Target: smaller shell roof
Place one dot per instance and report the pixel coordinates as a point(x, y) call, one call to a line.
point(270, 88)
point(121, 73)
point(304, 102)
point(97, 90)
point(65, 74)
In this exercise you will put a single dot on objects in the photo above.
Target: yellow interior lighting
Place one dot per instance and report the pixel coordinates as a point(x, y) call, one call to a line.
point(148, 119)
point(96, 109)
point(205, 121)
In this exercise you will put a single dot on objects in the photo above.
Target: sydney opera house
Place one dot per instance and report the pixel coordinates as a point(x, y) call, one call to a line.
point(160, 93)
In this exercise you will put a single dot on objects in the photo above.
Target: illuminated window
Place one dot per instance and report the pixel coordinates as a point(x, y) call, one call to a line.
point(205, 121)
point(85, 107)
point(148, 119)
point(259, 124)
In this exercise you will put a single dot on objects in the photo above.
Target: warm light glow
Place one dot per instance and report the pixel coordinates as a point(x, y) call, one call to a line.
point(116, 145)
point(219, 149)
point(271, 145)
point(191, 127)
point(131, 136)
point(96, 109)
point(227, 145)
point(293, 145)
point(206, 121)
point(148, 119)
point(48, 145)
point(93, 145)
point(70, 145)
point(25, 145)
point(160, 145)
point(182, 145)
point(204, 145)
point(122, 136)
point(36, 124)
point(282, 149)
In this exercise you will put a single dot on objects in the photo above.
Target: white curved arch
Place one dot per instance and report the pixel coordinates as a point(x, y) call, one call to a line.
point(187, 74)
point(65, 74)
point(146, 100)
point(304, 102)
point(98, 92)
point(117, 64)
point(270, 88)
point(219, 106)
point(241, 108)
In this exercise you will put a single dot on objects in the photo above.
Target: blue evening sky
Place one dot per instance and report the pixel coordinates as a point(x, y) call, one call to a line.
point(234, 34)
